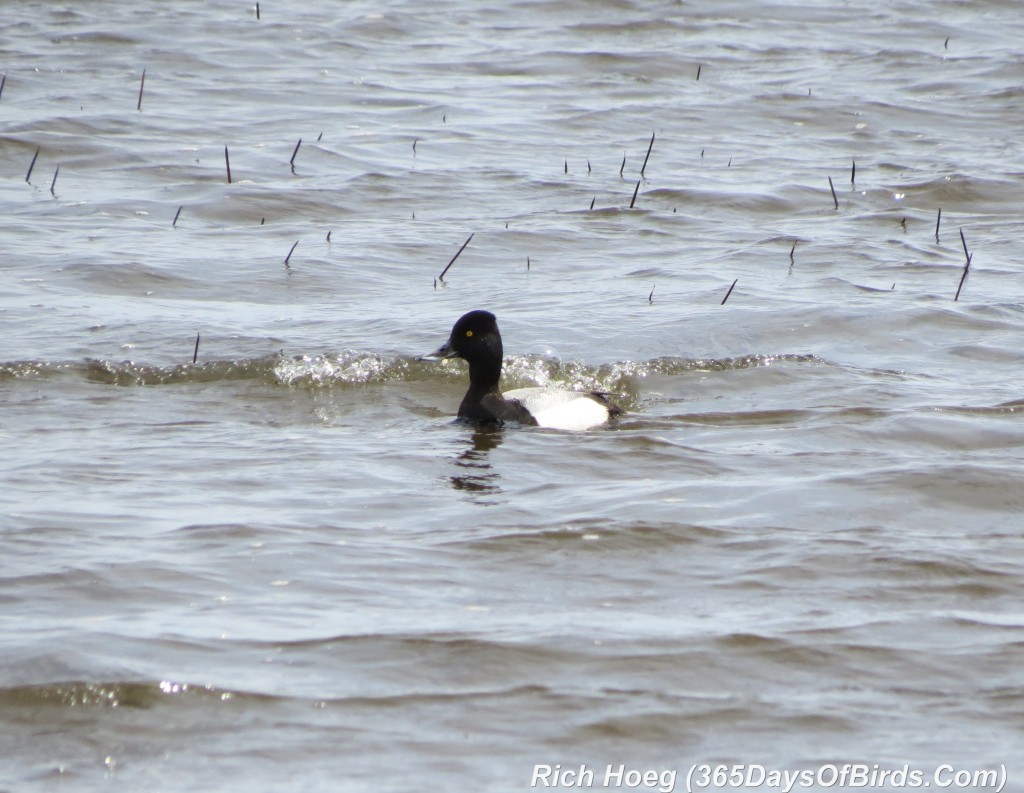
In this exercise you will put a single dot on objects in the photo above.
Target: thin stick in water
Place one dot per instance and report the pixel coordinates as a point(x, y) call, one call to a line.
point(832, 187)
point(328, 237)
point(649, 147)
point(588, 165)
point(227, 162)
point(456, 256)
point(853, 173)
point(623, 166)
point(567, 166)
point(289, 256)
point(3, 82)
point(195, 352)
point(729, 292)
point(635, 191)
point(32, 165)
point(592, 200)
point(650, 297)
point(963, 278)
point(967, 267)
point(791, 252)
point(291, 162)
point(142, 85)
point(698, 72)
point(54, 182)
point(938, 220)
point(257, 12)
point(176, 214)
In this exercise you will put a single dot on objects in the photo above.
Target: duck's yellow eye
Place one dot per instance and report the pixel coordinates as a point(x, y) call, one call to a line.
point(469, 334)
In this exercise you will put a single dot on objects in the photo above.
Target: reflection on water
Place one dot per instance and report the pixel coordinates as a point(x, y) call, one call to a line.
point(476, 474)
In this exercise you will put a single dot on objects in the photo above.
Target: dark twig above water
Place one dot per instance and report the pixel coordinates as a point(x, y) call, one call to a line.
point(291, 162)
point(729, 292)
point(456, 256)
point(142, 85)
point(832, 187)
point(289, 256)
point(54, 182)
point(967, 267)
point(635, 191)
point(227, 162)
point(195, 352)
point(176, 214)
point(32, 165)
point(938, 220)
point(647, 156)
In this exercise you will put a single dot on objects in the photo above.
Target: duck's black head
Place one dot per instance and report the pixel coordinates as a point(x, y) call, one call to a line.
point(476, 339)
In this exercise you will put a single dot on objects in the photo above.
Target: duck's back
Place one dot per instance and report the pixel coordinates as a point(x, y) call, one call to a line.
point(562, 409)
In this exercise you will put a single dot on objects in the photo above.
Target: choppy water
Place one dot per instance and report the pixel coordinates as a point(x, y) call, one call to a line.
point(284, 567)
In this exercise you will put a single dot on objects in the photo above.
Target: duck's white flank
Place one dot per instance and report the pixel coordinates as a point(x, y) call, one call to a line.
point(561, 410)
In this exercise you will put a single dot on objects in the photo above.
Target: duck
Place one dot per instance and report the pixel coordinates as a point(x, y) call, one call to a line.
point(476, 339)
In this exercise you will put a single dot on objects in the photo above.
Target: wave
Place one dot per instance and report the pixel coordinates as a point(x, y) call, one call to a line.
point(353, 368)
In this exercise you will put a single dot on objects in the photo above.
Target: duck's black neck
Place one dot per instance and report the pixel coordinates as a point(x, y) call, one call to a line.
point(484, 374)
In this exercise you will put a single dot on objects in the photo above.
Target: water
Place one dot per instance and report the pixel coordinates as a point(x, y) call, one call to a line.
point(284, 566)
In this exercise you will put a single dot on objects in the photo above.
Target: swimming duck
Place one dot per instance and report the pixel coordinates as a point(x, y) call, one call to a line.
point(476, 339)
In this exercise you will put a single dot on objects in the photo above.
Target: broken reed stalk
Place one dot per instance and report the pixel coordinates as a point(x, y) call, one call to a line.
point(623, 166)
point(291, 162)
point(963, 278)
point(176, 214)
point(3, 82)
point(456, 256)
point(729, 292)
point(791, 250)
point(592, 200)
point(32, 165)
point(832, 187)
point(289, 256)
point(227, 162)
point(649, 147)
point(853, 173)
point(635, 191)
point(698, 73)
point(938, 220)
point(650, 297)
point(54, 182)
point(195, 352)
point(257, 12)
point(967, 267)
point(142, 85)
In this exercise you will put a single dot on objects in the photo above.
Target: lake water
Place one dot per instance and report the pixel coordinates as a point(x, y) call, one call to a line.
point(284, 566)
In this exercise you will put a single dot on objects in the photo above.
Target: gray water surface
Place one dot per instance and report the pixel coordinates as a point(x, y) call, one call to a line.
point(284, 567)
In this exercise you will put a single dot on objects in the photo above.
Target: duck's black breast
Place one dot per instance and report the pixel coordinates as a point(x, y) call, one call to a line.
point(493, 408)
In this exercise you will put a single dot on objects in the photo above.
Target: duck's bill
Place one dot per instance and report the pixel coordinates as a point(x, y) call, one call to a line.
point(442, 352)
